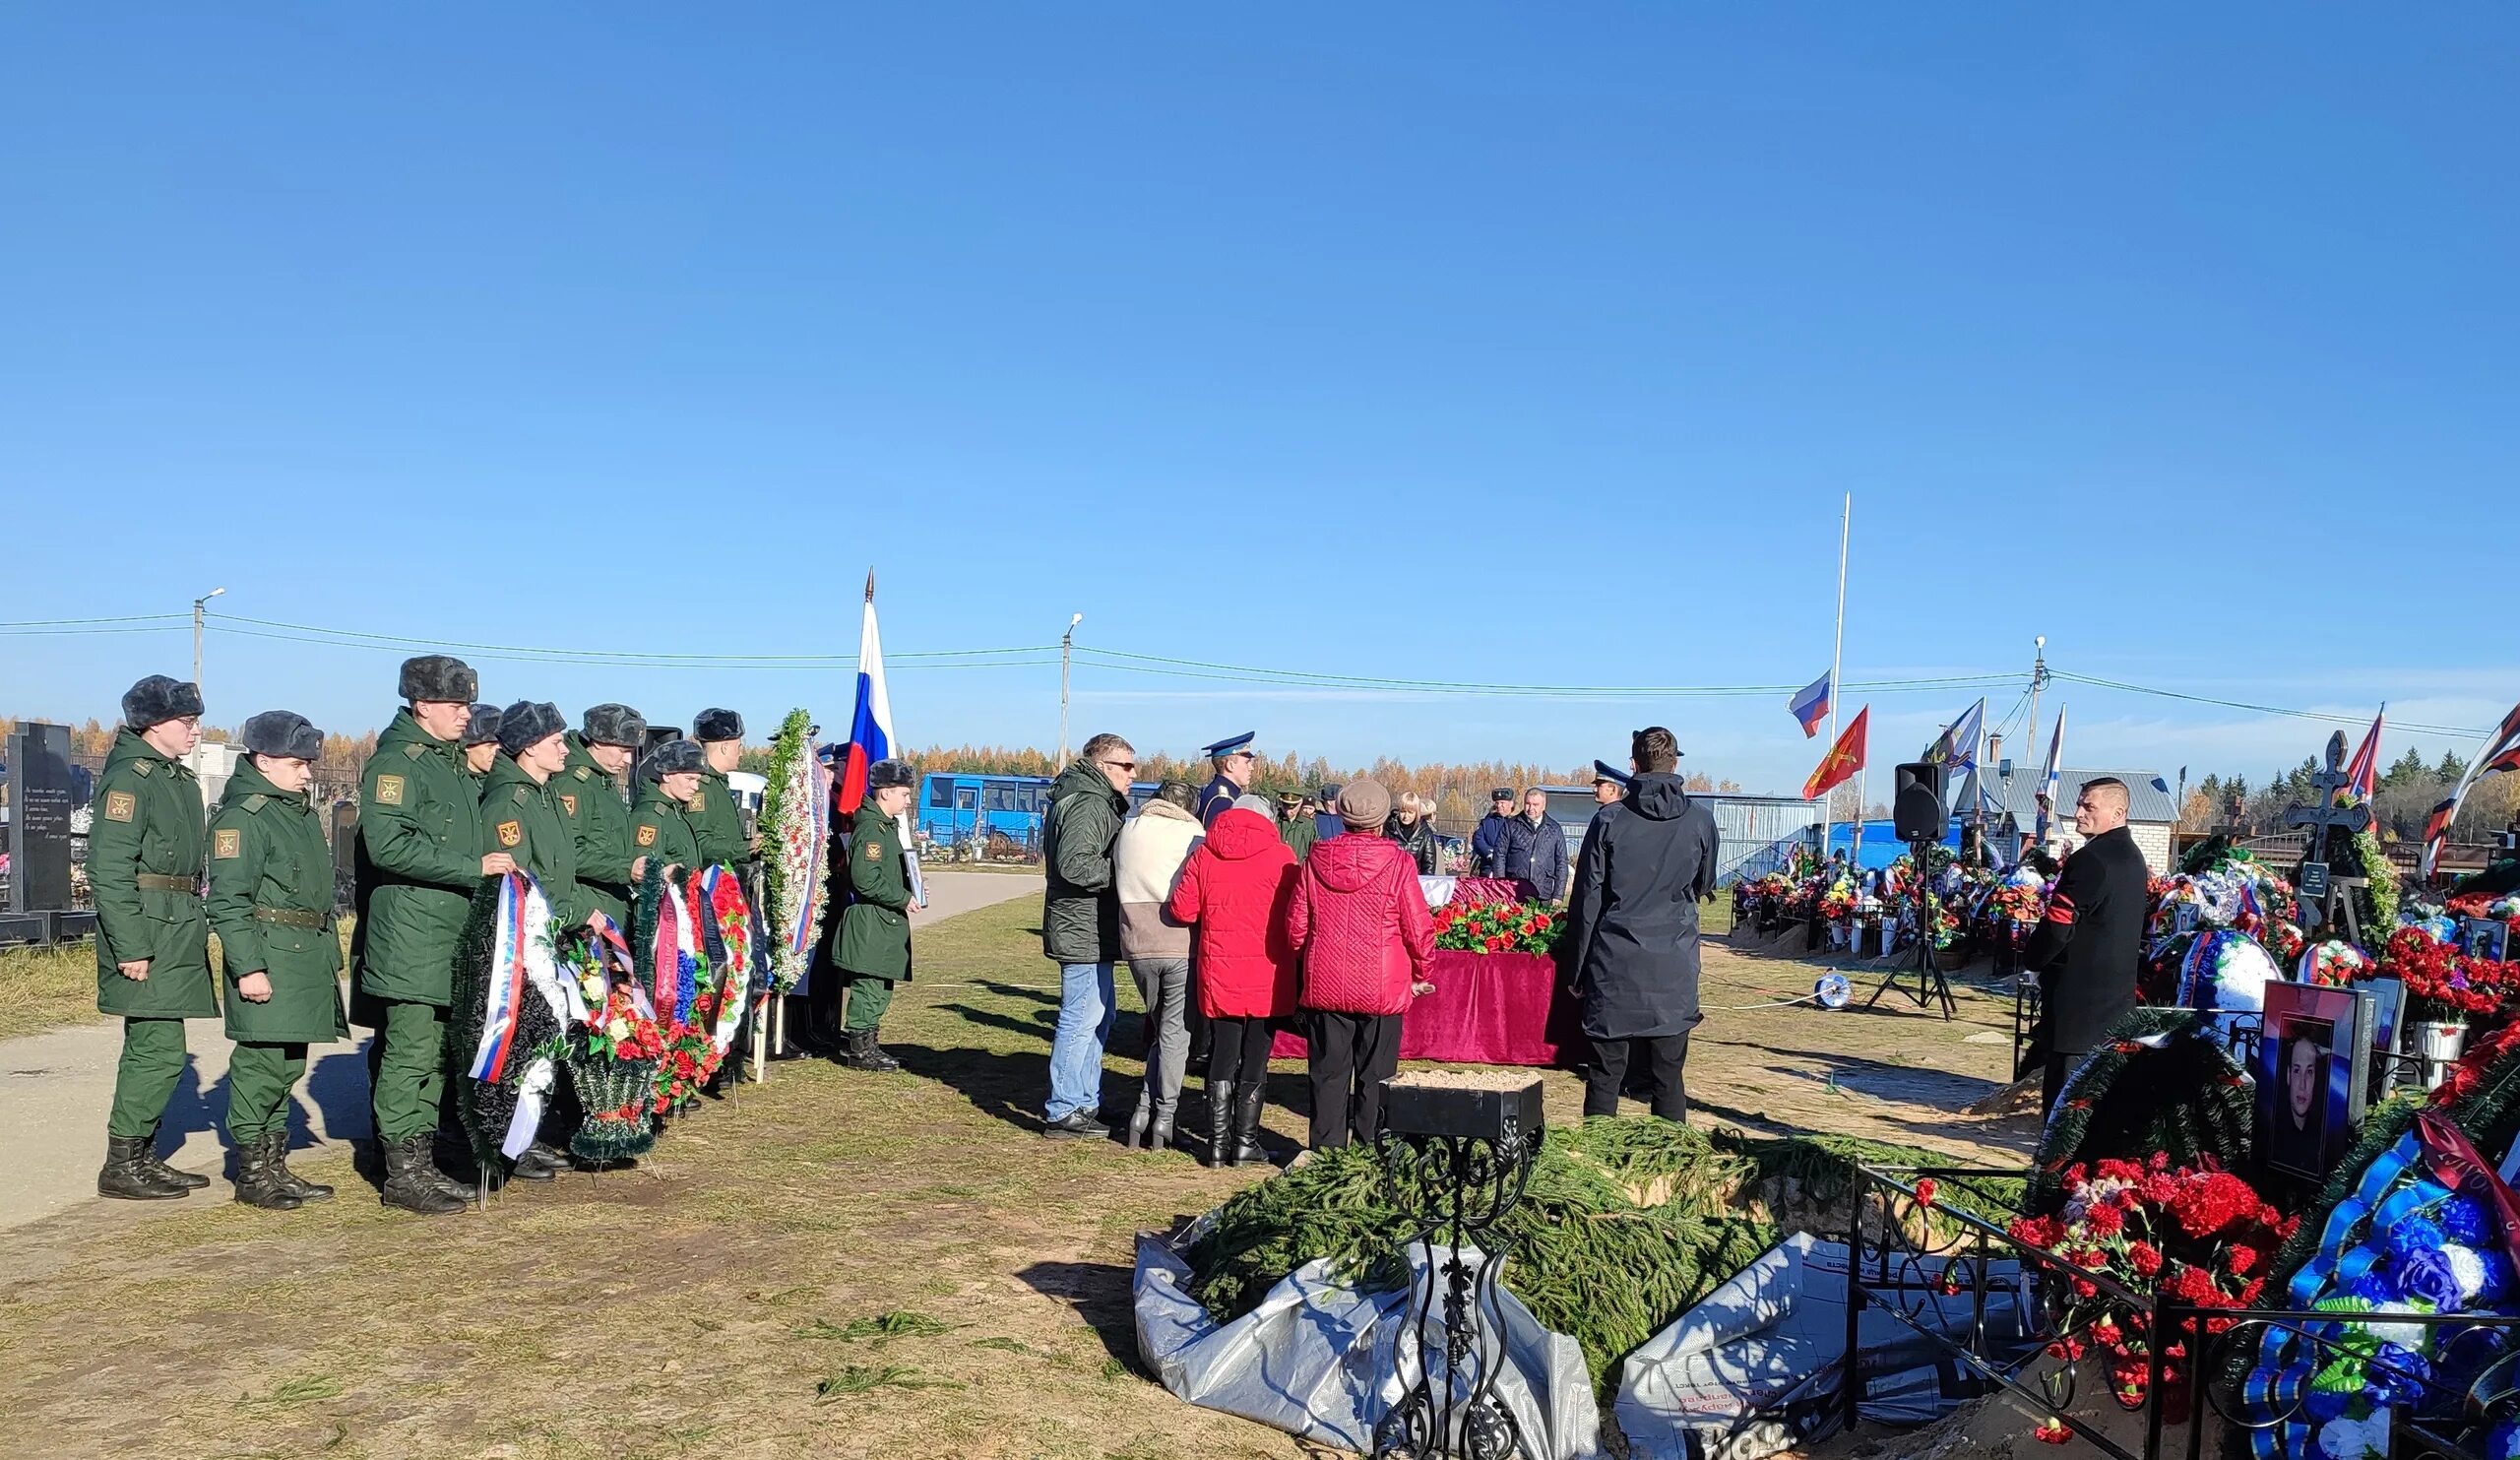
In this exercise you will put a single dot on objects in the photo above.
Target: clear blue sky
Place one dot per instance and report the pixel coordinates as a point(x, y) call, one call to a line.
point(1460, 342)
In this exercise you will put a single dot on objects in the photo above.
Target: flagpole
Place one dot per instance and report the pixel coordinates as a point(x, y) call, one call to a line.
point(1837, 660)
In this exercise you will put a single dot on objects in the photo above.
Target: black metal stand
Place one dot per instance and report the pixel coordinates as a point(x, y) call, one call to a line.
point(1455, 1191)
point(1932, 986)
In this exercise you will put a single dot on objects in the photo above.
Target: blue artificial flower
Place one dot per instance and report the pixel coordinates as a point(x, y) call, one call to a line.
point(2427, 1276)
point(2398, 1376)
point(2412, 1234)
point(2323, 1405)
point(2502, 1441)
point(2373, 1286)
point(2466, 1220)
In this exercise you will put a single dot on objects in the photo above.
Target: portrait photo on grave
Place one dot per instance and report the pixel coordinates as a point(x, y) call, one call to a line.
point(2484, 938)
point(2312, 1061)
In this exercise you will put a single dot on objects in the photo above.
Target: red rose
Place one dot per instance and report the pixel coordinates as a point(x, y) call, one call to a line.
point(1924, 1191)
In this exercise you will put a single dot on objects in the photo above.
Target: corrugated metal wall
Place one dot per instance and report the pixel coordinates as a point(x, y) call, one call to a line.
point(1757, 831)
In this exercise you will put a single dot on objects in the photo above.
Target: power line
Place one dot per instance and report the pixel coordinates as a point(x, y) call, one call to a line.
point(360, 638)
point(2205, 699)
point(30, 624)
point(1154, 663)
point(959, 660)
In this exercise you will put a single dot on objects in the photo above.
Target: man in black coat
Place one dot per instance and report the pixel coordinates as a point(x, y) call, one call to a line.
point(2087, 950)
point(1631, 942)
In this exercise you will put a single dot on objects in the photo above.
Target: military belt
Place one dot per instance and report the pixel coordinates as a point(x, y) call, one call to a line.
point(291, 917)
point(160, 882)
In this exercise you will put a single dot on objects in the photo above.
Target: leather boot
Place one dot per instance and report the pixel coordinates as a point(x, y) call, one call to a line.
point(538, 1163)
point(437, 1153)
point(1159, 1136)
point(185, 1179)
point(865, 1054)
point(125, 1176)
point(1246, 1126)
point(257, 1180)
point(1141, 1125)
point(412, 1178)
point(1220, 1125)
point(299, 1186)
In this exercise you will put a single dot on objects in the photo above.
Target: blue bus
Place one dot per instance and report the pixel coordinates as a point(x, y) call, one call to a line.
point(977, 817)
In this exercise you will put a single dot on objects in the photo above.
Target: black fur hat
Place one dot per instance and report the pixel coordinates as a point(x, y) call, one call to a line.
point(884, 773)
point(673, 757)
point(526, 721)
point(439, 676)
point(481, 727)
point(283, 733)
point(718, 725)
point(158, 699)
point(613, 725)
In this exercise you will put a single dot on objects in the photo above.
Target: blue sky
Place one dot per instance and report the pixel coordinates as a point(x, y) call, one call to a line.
point(1459, 343)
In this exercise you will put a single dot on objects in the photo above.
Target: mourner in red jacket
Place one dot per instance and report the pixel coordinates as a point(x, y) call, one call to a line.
point(1361, 922)
point(1235, 890)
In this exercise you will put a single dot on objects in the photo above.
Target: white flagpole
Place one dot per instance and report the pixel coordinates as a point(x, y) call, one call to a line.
point(1837, 657)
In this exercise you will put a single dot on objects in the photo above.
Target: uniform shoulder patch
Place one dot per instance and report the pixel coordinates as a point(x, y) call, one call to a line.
point(569, 805)
point(646, 835)
point(144, 768)
point(388, 791)
point(120, 806)
point(583, 774)
point(415, 749)
point(874, 850)
point(229, 842)
point(256, 802)
point(511, 833)
point(521, 794)
point(699, 798)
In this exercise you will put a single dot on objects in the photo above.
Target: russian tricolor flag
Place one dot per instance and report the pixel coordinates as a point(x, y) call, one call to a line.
point(1811, 706)
point(870, 730)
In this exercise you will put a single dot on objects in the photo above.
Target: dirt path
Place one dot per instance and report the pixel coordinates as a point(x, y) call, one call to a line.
point(54, 1088)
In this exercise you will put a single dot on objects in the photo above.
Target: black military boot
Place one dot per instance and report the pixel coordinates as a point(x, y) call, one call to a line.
point(538, 1163)
point(865, 1054)
point(445, 1159)
point(412, 1178)
point(1246, 1125)
point(126, 1177)
point(185, 1179)
point(258, 1182)
point(299, 1186)
point(1220, 1125)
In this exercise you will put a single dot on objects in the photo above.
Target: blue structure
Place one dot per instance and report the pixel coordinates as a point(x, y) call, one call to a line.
point(953, 807)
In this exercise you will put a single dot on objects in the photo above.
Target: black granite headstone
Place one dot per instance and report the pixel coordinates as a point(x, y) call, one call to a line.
point(39, 807)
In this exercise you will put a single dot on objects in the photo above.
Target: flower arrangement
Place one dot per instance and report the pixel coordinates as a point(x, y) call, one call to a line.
point(1498, 927)
point(612, 1056)
point(2334, 964)
point(2019, 903)
point(2199, 1235)
point(2442, 983)
point(796, 815)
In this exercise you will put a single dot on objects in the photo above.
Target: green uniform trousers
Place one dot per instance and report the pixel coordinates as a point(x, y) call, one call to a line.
point(410, 1075)
point(259, 1079)
point(867, 998)
point(153, 1060)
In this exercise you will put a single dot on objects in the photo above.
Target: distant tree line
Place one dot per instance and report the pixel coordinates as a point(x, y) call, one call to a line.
point(2408, 792)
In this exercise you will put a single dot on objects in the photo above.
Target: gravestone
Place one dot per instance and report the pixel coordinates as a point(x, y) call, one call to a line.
point(39, 807)
point(344, 854)
point(2331, 827)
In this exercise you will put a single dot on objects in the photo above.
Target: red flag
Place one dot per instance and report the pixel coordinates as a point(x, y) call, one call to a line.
point(2363, 770)
point(1843, 760)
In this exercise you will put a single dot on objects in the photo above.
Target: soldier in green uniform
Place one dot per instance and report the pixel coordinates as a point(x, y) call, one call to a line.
point(873, 950)
point(480, 744)
point(521, 815)
point(660, 827)
point(590, 801)
point(716, 821)
point(419, 861)
point(271, 901)
point(153, 942)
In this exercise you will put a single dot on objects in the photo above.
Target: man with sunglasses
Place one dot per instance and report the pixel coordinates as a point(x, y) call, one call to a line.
point(1080, 926)
point(2087, 948)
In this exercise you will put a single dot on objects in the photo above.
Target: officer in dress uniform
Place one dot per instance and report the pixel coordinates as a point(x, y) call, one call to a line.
point(521, 815)
point(152, 939)
point(419, 861)
point(271, 901)
point(1610, 782)
point(873, 950)
point(660, 825)
point(590, 795)
point(1233, 760)
point(480, 744)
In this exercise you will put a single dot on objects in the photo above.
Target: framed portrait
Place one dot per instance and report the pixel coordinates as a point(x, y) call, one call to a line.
point(2313, 1057)
point(2183, 918)
point(2484, 938)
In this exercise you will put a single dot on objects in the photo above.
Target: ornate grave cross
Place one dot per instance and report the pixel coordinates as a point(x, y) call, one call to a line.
point(2323, 815)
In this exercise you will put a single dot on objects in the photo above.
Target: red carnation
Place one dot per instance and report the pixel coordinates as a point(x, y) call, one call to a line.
point(2146, 1258)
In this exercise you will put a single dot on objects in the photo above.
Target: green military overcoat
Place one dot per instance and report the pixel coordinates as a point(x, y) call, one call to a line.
point(521, 817)
point(874, 930)
point(144, 846)
point(419, 859)
point(598, 821)
point(661, 830)
point(271, 901)
point(716, 825)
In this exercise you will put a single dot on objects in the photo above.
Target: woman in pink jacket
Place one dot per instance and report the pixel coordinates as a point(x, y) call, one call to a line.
point(1233, 889)
point(1359, 921)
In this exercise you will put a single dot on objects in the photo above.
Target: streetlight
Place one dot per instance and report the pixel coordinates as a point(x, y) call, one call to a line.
point(1066, 641)
point(197, 607)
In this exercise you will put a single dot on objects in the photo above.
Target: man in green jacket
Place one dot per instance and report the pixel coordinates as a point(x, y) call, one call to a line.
point(873, 950)
point(1080, 926)
point(522, 816)
point(660, 827)
point(271, 901)
point(480, 744)
point(1295, 825)
point(716, 823)
point(590, 800)
point(419, 859)
point(153, 942)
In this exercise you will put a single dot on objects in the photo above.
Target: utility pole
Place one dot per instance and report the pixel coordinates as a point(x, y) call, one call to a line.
point(198, 604)
point(1067, 641)
point(2038, 679)
point(1837, 661)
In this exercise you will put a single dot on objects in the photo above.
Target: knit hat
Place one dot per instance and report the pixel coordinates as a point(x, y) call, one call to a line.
point(158, 699)
point(1363, 804)
point(528, 722)
point(284, 733)
point(439, 676)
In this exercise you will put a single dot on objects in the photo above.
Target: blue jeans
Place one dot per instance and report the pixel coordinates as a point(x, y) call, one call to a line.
point(1076, 1046)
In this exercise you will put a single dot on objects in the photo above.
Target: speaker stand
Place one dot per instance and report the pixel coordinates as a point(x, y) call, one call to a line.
point(1931, 986)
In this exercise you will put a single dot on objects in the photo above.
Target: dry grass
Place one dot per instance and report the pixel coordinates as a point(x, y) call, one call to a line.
point(43, 988)
point(830, 1264)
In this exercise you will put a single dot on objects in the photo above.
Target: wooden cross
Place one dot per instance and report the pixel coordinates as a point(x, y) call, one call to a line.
point(2323, 814)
